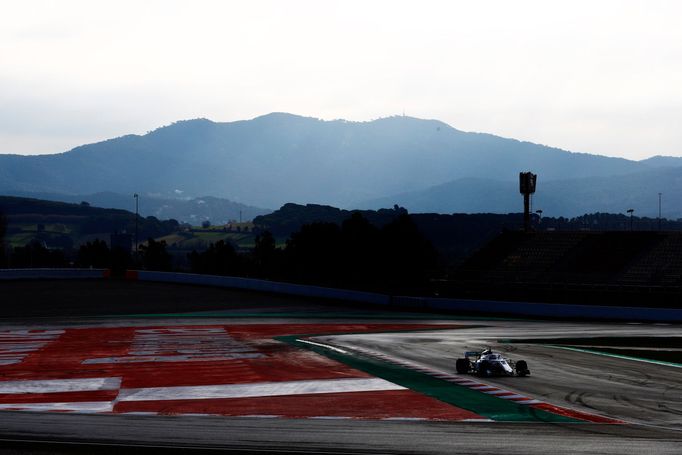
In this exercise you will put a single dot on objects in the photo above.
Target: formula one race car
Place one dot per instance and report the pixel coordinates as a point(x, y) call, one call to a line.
point(489, 363)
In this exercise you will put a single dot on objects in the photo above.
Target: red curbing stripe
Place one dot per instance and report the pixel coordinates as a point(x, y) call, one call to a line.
point(576, 414)
point(403, 404)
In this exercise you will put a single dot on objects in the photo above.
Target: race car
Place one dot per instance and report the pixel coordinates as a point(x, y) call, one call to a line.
point(489, 363)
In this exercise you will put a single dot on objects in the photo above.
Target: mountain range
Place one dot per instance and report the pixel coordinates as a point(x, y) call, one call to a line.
point(423, 165)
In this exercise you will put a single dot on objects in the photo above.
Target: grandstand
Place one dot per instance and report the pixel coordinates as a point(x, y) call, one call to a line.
point(563, 266)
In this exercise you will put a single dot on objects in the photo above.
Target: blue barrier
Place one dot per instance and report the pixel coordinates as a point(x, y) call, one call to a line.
point(265, 286)
point(491, 307)
point(545, 310)
point(47, 274)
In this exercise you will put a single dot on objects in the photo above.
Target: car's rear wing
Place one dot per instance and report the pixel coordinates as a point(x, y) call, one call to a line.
point(472, 354)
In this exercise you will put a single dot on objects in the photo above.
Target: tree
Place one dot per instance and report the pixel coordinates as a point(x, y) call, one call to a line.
point(154, 255)
point(360, 252)
point(406, 254)
point(206, 224)
point(266, 256)
point(313, 253)
point(220, 258)
point(3, 231)
point(35, 254)
point(94, 254)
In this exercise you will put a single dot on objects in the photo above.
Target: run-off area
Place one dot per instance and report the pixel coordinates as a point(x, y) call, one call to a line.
point(231, 370)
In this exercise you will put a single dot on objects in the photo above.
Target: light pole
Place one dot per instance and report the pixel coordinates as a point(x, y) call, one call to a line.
point(659, 210)
point(631, 211)
point(137, 200)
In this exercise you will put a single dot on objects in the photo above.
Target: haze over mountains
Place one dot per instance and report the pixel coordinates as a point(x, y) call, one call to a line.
point(424, 165)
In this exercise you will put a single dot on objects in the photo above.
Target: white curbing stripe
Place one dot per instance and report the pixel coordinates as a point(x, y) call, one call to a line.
point(80, 407)
point(258, 389)
point(514, 397)
point(330, 418)
point(409, 419)
point(59, 385)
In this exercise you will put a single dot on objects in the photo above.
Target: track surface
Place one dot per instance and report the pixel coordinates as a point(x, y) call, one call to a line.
point(648, 396)
point(637, 392)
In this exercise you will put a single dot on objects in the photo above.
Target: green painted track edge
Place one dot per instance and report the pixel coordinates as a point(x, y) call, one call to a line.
point(462, 397)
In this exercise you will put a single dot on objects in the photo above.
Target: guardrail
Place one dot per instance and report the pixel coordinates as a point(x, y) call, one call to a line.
point(488, 307)
point(263, 285)
point(55, 274)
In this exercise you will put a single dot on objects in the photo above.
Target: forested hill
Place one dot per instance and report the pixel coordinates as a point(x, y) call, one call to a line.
point(280, 158)
point(63, 225)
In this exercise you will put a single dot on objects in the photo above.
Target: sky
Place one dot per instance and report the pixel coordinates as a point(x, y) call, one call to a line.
point(598, 76)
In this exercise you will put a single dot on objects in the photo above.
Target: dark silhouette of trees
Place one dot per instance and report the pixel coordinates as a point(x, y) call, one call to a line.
point(3, 232)
point(35, 255)
point(313, 253)
point(357, 254)
point(94, 254)
point(266, 257)
point(361, 262)
point(154, 255)
point(220, 259)
point(408, 257)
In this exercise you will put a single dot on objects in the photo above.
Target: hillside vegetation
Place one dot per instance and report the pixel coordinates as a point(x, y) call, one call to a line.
point(62, 225)
point(280, 158)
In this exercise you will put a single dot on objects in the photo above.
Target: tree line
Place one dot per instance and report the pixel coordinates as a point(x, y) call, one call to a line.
point(354, 254)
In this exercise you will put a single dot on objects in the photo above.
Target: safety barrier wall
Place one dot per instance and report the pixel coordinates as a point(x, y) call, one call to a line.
point(545, 310)
point(59, 274)
point(492, 307)
point(265, 286)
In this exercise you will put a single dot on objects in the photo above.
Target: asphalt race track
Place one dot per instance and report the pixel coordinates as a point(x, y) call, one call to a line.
point(636, 392)
point(93, 366)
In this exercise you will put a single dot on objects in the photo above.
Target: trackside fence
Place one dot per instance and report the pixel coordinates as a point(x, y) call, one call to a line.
point(264, 286)
point(488, 307)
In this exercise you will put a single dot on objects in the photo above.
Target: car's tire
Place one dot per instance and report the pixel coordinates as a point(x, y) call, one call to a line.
point(463, 366)
point(522, 368)
point(483, 368)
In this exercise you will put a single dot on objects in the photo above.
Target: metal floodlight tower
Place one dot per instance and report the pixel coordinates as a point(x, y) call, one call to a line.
point(137, 200)
point(659, 210)
point(527, 181)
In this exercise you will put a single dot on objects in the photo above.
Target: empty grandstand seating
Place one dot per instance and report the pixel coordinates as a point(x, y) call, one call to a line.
point(659, 266)
point(579, 257)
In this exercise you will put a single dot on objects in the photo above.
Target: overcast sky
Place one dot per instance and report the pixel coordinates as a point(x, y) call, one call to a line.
point(598, 76)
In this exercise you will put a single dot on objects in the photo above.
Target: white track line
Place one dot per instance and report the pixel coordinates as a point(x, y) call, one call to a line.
point(263, 389)
point(59, 385)
point(80, 407)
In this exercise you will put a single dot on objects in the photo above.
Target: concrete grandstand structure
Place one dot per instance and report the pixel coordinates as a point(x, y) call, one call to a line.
point(560, 266)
